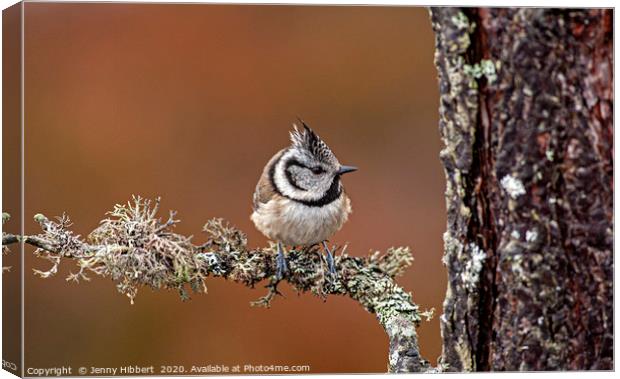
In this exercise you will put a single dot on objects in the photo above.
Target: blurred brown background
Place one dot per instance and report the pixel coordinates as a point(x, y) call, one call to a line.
point(189, 102)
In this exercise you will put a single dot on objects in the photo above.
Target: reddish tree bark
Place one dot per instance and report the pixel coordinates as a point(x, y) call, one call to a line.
point(526, 117)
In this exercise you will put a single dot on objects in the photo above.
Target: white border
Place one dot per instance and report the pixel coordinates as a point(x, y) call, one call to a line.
point(530, 3)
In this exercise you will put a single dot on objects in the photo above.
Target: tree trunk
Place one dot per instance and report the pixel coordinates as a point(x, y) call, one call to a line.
point(526, 117)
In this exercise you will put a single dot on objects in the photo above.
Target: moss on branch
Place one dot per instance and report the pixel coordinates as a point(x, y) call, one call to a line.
point(134, 247)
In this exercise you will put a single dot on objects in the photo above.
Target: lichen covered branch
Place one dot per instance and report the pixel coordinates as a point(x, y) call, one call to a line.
point(134, 247)
point(7, 238)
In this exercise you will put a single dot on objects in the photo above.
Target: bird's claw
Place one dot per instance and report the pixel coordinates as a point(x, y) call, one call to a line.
point(281, 266)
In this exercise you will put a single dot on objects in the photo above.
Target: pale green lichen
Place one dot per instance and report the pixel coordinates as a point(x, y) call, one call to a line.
point(394, 262)
point(428, 314)
point(452, 247)
point(134, 248)
point(463, 350)
point(485, 68)
point(488, 69)
point(467, 27)
point(460, 189)
point(465, 211)
point(460, 20)
point(454, 42)
point(399, 304)
point(5, 249)
point(380, 295)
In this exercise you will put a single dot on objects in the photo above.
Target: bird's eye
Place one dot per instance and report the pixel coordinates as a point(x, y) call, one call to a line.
point(317, 170)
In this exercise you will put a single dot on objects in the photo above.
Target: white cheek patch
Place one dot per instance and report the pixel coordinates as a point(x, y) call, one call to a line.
point(298, 177)
point(285, 187)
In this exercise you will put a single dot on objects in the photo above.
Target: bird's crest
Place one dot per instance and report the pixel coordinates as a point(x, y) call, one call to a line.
point(308, 140)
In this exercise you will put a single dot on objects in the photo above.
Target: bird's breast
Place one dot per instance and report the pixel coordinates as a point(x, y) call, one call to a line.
point(294, 223)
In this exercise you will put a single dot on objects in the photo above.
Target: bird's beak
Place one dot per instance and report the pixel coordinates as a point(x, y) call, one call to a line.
point(345, 169)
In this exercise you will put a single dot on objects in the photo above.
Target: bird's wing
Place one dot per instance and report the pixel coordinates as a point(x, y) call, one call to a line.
point(264, 189)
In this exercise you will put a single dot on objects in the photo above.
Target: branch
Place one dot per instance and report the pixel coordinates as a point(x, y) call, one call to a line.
point(133, 247)
point(7, 239)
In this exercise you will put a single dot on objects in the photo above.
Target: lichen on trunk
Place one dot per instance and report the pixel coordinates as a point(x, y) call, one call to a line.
point(525, 115)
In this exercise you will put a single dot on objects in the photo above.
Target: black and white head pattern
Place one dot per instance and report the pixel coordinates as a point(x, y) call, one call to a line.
point(307, 172)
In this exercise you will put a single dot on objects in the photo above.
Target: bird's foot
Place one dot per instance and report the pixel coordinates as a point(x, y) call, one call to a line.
point(330, 260)
point(281, 266)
